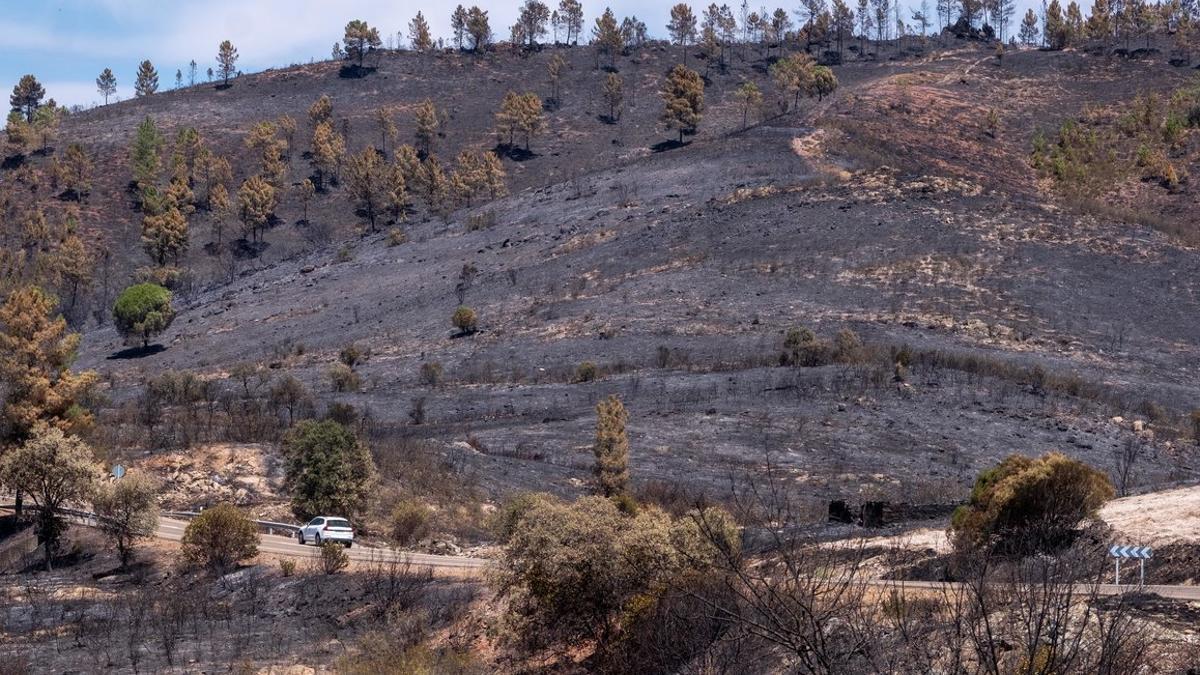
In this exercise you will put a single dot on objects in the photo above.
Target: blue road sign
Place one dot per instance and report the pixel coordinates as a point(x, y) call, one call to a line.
point(118, 471)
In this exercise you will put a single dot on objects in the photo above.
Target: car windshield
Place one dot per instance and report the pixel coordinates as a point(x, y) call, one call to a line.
point(338, 522)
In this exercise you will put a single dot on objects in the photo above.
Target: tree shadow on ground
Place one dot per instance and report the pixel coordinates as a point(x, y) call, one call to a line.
point(354, 71)
point(514, 152)
point(668, 145)
point(138, 352)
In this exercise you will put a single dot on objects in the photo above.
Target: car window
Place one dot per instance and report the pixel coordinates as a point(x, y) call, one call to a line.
point(339, 522)
point(316, 521)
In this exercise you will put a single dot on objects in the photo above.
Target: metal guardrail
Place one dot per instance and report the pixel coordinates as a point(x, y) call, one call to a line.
point(266, 526)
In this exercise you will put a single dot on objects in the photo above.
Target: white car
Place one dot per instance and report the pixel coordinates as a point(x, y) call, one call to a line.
point(327, 528)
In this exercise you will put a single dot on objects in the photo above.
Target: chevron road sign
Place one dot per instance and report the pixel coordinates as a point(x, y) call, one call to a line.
point(1143, 552)
point(1139, 553)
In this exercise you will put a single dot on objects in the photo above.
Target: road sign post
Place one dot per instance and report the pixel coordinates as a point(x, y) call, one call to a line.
point(1139, 553)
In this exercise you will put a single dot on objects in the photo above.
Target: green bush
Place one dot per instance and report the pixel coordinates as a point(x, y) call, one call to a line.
point(219, 538)
point(586, 372)
point(1026, 505)
point(802, 348)
point(464, 320)
point(334, 558)
point(287, 566)
point(327, 470)
point(143, 311)
point(410, 522)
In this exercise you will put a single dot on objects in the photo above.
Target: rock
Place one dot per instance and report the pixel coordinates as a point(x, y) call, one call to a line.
point(307, 269)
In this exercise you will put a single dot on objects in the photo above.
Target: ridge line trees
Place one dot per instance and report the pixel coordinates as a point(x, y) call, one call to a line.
point(27, 97)
point(360, 38)
point(607, 36)
point(682, 27)
point(418, 33)
point(147, 79)
point(106, 84)
point(227, 56)
point(570, 13)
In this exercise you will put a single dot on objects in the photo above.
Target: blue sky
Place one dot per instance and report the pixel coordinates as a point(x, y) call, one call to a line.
point(66, 43)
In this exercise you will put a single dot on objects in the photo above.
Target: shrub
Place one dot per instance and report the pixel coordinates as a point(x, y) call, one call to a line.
point(287, 566)
point(481, 220)
point(847, 347)
point(334, 558)
point(344, 255)
point(410, 522)
point(327, 470)
point(353, 355)
point(1196, 425)
point(802, 348)
point(342, 413)
point(464, 320)
point(1026, 505)
point(505, 519)
point(219, 538)
point(143, 311)
point(431, 373)
point(396, 237)
point(586, 372)
point(343, 378)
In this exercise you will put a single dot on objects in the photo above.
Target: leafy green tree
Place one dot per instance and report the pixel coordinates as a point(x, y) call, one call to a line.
point(227, 56)
point(360, 38)
point(106, 84)
point(147, 79)
point(329, 471)
point(1029, 505)
point(128, 511)
point(794, 74)
point(822, 83)
point(219, 538)
point(56, 470)
point(683, 100)
point(143, 311)
point(27, 96)
point(611, 448)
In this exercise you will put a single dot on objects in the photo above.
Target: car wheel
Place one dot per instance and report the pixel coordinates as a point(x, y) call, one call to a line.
point(347, 544)
point(300, 536)
point(317, 541)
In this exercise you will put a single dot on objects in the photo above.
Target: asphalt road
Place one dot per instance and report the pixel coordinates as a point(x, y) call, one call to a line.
point(1190, 593)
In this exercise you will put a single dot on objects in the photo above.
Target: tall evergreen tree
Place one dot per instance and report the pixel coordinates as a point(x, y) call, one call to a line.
point(27, 96)
point(360, 38)
point(227, 56)
point(570, 12)
point(682, 27)
point(458, 26)
point(147, 79)
point(683, 100)
point(478, 28)
point(419, 35)
point(607, 36)
point(532, 20)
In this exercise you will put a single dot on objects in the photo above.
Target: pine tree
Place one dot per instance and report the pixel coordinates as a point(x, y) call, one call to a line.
point(750, 97)
point(74, 172)
point(612, 447)
point(321, 110)
point(607, 36)
point(387, 128)
point(165, 235)
point(147, 79)
point(1028, 34)
point(494, 175)
point(793, 74)
point(428, 123)
point(532, 21)
point(192, 73)
point(36, 352)
point(360, 38)
point(570, 12)
point(434, 184)
point(614, 95)
point(458, 26)
point(227, 56)
point(178, 78)
point(478, 28)
point(397, 190)
point(367, 182)
point(145, 154)
point(328, 148)
point(106, 84)
point(555, 69)
point(682, 27)
point(307, 192)
point(419, 35)
point(683, 100)
point(27, 96)
point(520, 113)
point(256, 203)
point(45, 124)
